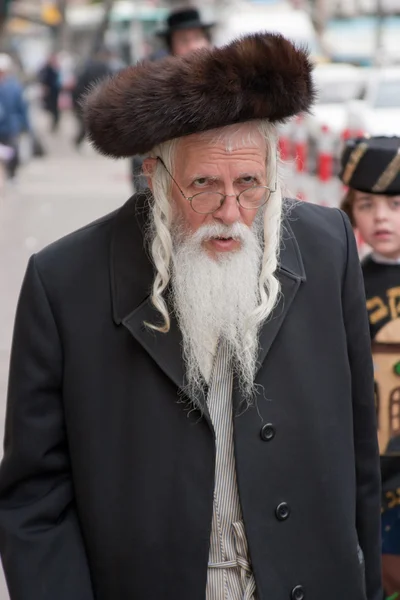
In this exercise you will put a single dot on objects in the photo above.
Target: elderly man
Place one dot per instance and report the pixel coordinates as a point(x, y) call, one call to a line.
point(190, 409)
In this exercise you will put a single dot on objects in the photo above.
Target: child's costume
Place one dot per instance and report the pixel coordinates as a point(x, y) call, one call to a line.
point(372, 165)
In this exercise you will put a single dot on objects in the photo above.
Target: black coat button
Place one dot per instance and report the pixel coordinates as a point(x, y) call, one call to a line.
point(282, 512)
point(268, 432)
point(298, 593)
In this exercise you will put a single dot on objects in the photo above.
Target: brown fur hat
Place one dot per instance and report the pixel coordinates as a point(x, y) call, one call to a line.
point(261, 76)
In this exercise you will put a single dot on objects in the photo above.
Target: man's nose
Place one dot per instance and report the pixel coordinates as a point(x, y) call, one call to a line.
point(229, 212)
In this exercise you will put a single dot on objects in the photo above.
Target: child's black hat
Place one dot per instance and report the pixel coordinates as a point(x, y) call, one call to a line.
point(372, 165)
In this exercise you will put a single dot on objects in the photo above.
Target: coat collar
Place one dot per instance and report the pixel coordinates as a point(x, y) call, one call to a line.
point(131, 269)
point(132, 275)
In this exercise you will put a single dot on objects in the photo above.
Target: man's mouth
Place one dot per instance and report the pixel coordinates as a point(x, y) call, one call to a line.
point(224, 243)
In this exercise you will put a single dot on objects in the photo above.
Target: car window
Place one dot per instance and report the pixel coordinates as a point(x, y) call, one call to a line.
point(388, 94)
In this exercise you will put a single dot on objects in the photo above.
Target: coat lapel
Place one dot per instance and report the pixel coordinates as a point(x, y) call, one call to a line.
point(131, 271)
point(165, 349)
point(132, 274)
point(290, 274)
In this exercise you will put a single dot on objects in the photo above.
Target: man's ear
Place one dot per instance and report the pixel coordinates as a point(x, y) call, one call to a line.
point(149, 165)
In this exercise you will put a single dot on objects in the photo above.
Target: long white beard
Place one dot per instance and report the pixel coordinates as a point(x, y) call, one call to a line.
point(213, 299)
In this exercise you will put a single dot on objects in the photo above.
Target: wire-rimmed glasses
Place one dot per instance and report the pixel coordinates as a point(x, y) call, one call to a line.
point(206, 203)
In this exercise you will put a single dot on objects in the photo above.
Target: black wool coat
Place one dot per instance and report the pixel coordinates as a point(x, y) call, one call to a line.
point(106, 486)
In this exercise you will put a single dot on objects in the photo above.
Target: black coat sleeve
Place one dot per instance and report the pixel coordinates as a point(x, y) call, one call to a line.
point(364, 419)
point(41, 545)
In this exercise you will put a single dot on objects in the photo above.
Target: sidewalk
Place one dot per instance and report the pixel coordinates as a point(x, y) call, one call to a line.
point(53, 196)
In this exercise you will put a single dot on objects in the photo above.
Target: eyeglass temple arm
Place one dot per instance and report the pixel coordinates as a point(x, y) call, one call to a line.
point(176, 183)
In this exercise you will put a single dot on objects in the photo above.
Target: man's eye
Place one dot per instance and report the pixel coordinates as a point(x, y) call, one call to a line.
point(247, 180)
point(200, 181)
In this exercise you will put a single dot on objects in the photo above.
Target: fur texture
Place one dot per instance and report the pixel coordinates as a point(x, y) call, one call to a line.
point(261, 76)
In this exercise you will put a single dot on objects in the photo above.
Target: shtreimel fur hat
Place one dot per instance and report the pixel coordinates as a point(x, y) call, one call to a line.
point(261, 76)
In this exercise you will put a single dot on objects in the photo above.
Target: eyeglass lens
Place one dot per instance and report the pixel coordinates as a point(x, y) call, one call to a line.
point(208, 202)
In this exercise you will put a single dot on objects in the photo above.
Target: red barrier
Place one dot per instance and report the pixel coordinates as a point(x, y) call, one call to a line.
point(285, 143)
point(349, 133)
point(300, 138)
point(346, 134)
point(325, 154)
point(321, 186)
point(302, 186)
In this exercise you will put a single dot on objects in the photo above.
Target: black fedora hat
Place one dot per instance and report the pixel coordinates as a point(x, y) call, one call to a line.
point(186, 18)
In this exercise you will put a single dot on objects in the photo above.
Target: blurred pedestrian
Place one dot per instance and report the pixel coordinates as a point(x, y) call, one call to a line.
point(184, 32)
point(114, 61)
point(371, 169)
point(13, 113)
point(96, 68)
point(50, 79)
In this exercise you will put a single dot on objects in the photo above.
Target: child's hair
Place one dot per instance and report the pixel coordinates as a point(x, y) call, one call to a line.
point(347, 204)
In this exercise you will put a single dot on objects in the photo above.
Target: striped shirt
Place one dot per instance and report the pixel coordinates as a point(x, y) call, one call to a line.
point(229, 571)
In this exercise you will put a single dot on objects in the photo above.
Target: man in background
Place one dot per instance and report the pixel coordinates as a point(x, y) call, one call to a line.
point(50, 79)
point(94, 70)
point(13, 112)
point(184, 32)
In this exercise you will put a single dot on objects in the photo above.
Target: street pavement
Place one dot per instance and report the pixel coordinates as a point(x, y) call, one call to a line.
point(53, 196)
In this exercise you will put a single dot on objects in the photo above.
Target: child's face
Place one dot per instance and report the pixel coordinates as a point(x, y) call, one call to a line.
point(377, 218)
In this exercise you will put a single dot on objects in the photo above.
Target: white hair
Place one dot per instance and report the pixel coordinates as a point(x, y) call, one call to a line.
point(162, 243)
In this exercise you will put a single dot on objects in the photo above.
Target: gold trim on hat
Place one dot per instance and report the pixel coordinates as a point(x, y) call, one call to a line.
point(388, 175)
point(353, 161)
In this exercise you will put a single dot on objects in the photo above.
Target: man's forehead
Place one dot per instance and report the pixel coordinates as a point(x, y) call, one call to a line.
point(244, 142)
point(236, 136)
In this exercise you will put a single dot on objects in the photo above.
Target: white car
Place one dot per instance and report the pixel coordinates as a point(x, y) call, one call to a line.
point(241, 18)
point(378, 113)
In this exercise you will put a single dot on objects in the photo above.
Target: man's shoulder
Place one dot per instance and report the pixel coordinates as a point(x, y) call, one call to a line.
point(313, 224)
point(85, 234)
point(324, 236)
point(88, 244)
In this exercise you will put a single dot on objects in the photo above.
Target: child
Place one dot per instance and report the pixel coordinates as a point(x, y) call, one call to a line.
point(371, 170)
